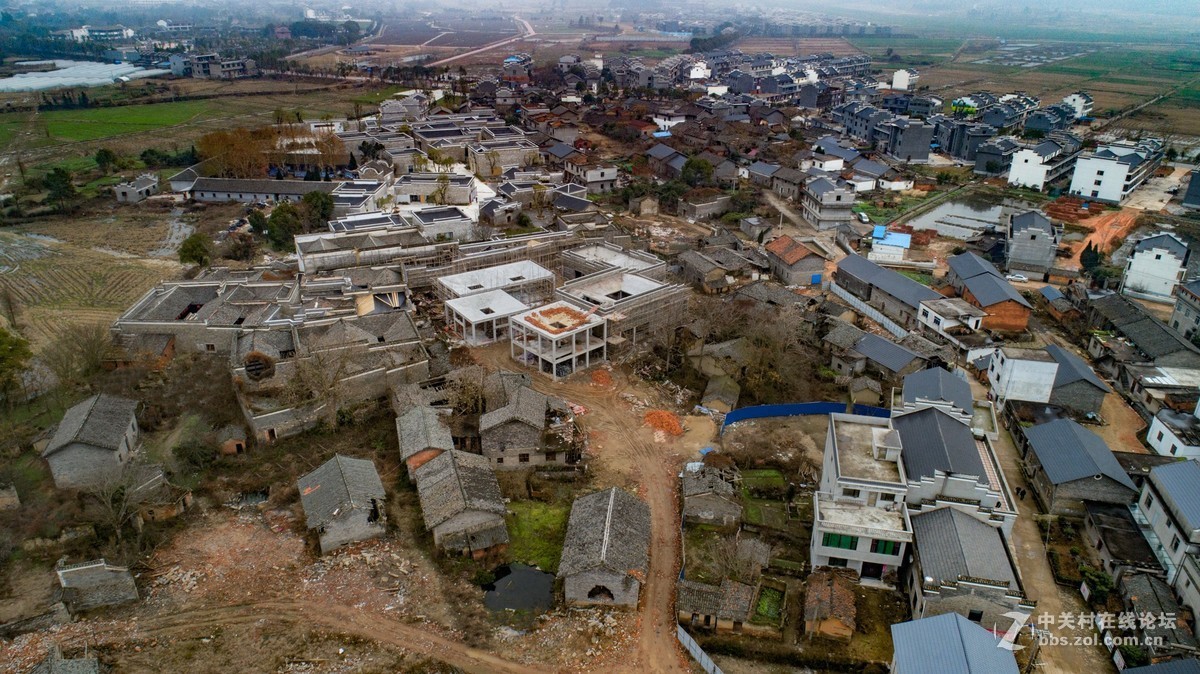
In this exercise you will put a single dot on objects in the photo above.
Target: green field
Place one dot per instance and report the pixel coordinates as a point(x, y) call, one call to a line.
point(536, 532)
point(96, 123)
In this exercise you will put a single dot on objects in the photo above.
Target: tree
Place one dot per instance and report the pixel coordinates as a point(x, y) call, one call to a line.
point(697, 172)
point(316, 209)
point(237, 153)
point(317, 381)
point(241, 246)
point(61, 186)
point(283, 225)
point(77, 352)
point(105, 159)
point(196, 249)
point(439, 194)
point(14, 356)
point(1090, 258)
point(258, 221)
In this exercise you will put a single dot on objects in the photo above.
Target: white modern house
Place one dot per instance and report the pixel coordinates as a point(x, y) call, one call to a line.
point(1081, 101)
point(1021, 374)
point(1175, 433)
point(1168, 504)
point(1155, 267)
point(904, 79)
point(1114, 171)
point(859, 518)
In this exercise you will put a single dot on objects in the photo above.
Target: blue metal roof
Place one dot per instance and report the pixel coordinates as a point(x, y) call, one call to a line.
point(1051, 293)
point(895, 239)
point(948, 644)
point(879, 232)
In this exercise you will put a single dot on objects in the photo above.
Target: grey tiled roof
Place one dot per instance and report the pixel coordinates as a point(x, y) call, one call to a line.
point(56, 664)
point(967, 265)
point(1032, 220)
point(525, 405)
point(455, 482)
point(1068, 452)
point(99, 421)
point(695, 597)
point(952, 544)
point(933, 441)
point(1179, 483)
point(886, 353)
point(705, 481)
point(421, 428)
point(990, 290)
point(340, 484)
point(938, 383)
point(1071, 369)
point(897, 285)
point(1165, 241)
point(948, 644)
point(607, 530)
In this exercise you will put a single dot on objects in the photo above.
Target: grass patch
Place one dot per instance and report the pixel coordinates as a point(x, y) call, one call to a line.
point(703, 548)
point(97, 123)
point(536, 532)
point(769, 607)
point(919, 277)
point(763, 478)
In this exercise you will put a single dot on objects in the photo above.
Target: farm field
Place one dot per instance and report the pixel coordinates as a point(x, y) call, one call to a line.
point(797, 46)
point(407, 33)
point(470, 39)
point(90, 124)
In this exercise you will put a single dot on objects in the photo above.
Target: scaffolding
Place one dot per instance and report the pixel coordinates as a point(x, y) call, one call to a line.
point(558, 339)
point(634, 306)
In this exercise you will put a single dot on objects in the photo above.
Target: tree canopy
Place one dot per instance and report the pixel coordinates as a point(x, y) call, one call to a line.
point(196, 249)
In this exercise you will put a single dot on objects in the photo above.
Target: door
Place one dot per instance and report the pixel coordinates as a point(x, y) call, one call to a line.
point(872, 570)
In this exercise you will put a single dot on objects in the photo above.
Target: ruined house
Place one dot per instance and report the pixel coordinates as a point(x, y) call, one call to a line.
point(710, 497)
point(462, 505)
point(829, 608)
point(525, 431)
point(343, 501)
point(606, 554)
point(422, 436)
point(94, 584)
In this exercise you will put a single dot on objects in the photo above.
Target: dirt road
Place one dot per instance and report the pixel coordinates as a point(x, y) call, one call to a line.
point(1052, 599)
point(798, 226)
point(527, 31)
point(627, 451)
point(1107, 228)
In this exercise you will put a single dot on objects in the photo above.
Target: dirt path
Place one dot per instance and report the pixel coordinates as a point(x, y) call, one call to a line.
point(1037, 579)
point(1107, 229)
point(627, 451)
point(335, 618)
point(798, 227)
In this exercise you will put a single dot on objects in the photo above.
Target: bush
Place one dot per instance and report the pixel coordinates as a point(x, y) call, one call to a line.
point(195, 454)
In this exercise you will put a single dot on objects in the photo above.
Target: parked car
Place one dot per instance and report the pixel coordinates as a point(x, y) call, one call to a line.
point(1019, 278)
point(863, 218)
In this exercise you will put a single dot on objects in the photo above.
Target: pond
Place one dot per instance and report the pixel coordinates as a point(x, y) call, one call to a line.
point(965, 217)
point(520, 588)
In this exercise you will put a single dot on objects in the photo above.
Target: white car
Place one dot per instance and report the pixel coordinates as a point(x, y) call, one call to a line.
point(864, 218)
point(1019, 278)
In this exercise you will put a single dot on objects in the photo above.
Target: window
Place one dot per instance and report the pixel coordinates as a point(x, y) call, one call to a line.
point(925, 313)
point(213, 347)
point(1099, 173)
point(551, 457)
point(838, 562)
point(1174, 448)
point(841, 541)
point(1158, 256)
point(975, 616)
point(1098, 183)
point(1149, 499)
point(887, 497)
point(851, 493)
point(522, 458)
point(499, 460)
point(882, 547)
point(1174, 542)
point(1160, 436)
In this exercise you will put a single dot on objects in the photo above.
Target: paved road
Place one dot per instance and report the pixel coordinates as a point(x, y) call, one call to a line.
point(527, 32)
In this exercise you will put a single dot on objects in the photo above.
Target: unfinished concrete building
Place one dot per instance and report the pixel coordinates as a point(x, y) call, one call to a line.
point(634, 306)
point(603, 255)
point(524, 280)
point(482, 318)
point(558, 339)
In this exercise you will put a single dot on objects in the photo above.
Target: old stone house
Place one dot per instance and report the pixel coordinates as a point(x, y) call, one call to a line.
point(461, 504)
point(532, 429)
point(1076, 386)
point(703, 272)
point(93, 443)
point(794, 263)
point(606, 554)
point(94, 584)
point(422, 436)
point(343, 501)
point(55, 663)
point(710, 497)
point(721, 608)
point(154, 497)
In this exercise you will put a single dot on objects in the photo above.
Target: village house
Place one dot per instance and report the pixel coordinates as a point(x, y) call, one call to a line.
point(949, 644)
point(1032, 243)
point(55, 663)
point(1076, 386)
point(859, 519)
point(606, 554)
point(422, 435)
point(94, 584)
point(1156, 266)
point(703, 272)
point(896, 296)
point(137, 190)
point(343, 501)
point(1147, 594)
point(979, 282)
point(794, 263)
point(1185, 318)
point(961, 565)
point(829, 603)
point(1111, 530)
point(1066, 464)
point(720, 608)
point(1114, 170)
point(936, 387)
point(461, 504)
point(1175, 433)
point(1025, 375)
point(93, 443)
point(522, 433)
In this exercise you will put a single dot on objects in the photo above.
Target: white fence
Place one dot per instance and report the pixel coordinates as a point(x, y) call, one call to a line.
point(696, 652)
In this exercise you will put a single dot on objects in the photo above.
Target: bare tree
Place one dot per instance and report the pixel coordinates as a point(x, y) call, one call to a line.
point(117, 497)
point(318, 380)
point(78, 352)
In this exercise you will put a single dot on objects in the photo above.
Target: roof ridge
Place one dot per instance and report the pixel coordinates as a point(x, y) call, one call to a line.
point(612, 497)
point(337, 458)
